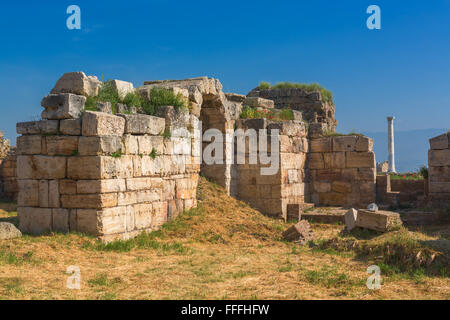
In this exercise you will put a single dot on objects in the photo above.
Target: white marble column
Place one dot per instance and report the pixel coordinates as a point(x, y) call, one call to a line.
point(391, 147)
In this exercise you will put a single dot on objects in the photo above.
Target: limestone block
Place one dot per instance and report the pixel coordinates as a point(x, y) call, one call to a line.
point(130, 144)
point(114, 220)
point(146, 144)
point(73, 220)
point(259, 102)
point(176, 206)
point(344, 143)
point(100, 186)
point(53, 194)
point(181, 146)
point(439, 142)
point(160, 210)
point(136, 184)
point(320, 145)
point(289, 128)
point(122, 87)
point(38, 127)
point(360, 160)
point(333, 199)
point(168, 189)
point(439, 174)
point(146, 196)
point(127, 198)
point(99, 167)
point(380, 221)
point(143, 124)
point(63, 106)
point(43, 194)
point(41, 167)
point(316, 161)
point(28, 145)
point(350, 217)
point(334, 160)
point(77, 83)
point(60, 220)
point(322, 186)
point(104, 145)
point(364, 144)
point(168, 146)
point(366, 174)
point(102, 124)
point(25, 165)
point(67, 186)
point(88, 221)
point(439, 158)
point(89, 201)
point(28, 193)
point(70, 127)
point(439, 187)
point(341, 187)
point(35, 221)
point(62, 145)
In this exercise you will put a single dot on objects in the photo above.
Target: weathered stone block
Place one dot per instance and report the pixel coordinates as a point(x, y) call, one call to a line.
point(147, 143)
point(62, 145)
point(316, 161)
point(43, 194)
point(341, 187)
point(440, 187)
point(321, 145)
point(364, 144)
point(100, 186)
point(49, 167)
point(439, 158)
point(102, 124)
point(360, 160)
point(38, 127)
point(100, 167)
point(143, 124)
point(439, 142)
point(143, 215)
point(77, 83)
point(351, 217)
point(60, 220)
point(334, 160)
point(35, 220)
point(105, 145)
point(130, 144)
point(380, 221)
point(67, 186)
point(289, 128)
point(259, 102)
point(439, 174)
point(344, 143)
point(53, 194)
point(322, 186)
point(70, 127)
point(89, 201)
point(27, 145)
point(88, 221)
point(29, 193)
point(63, 106)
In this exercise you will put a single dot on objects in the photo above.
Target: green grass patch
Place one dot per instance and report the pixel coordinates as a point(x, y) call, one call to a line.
point(272, 114)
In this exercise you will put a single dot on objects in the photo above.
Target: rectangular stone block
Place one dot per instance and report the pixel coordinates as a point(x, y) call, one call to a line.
point(53, 194)
point(99, 167)
point(257, 102)
point(341, 187)
point(130, 144)
point(89, 201)
point(63, 106)
point(41, 167)
point(364, 144)
point(439, 174)
point(148, 196)
point(334, 160)
point(360, 160)
point(67, 186)
point(147, 143)
point(43, 194)
point(315, 161)
point(440, 142)
point(70, 127)
point(114, 220)
point(181, 146)
point(135, 184)
point(38, 127)
point(100, 186)
point(105, 145)
point(143, 124)
point(60, 220)
point(440, 187)
point(380, 221)
point(35, 221)
point(28, 193)
point(439, 158)
point(322, 187)
point(62, 145)
point(289, 128)
point(127, 198)
point(29, 145)
point(320, 145)
point(88, 221)
point(344, 143)
point(102, 124)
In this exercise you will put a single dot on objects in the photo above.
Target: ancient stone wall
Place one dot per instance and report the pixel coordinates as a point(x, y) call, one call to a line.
point(112, 176)
point(8, 181)
point(439, 171)
point(311, 104)
point(341, 171)
point(273, 193)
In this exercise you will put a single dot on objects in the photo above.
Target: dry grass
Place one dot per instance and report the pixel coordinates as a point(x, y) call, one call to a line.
point(223, 250)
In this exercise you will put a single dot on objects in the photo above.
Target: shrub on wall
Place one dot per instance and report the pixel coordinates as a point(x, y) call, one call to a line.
point(327, 95)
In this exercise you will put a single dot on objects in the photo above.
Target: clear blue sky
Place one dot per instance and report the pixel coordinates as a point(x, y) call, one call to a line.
point(402, 69)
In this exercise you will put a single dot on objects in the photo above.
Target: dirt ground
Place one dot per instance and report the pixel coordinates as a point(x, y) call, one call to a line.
point(226, 250)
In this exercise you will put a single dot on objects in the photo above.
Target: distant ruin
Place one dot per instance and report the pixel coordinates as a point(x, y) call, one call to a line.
point(120, 172)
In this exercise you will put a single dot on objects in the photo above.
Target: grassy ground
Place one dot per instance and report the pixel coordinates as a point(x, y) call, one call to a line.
point(225, 250)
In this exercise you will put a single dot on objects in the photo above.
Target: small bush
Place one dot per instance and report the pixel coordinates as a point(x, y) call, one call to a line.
point(423, 171)
point(327, 95)
point(133, 99)
point(286, 114)
point(264, 85)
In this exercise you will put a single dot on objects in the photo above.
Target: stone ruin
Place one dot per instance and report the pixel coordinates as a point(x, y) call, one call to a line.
point(117, 175)
point(8, 181)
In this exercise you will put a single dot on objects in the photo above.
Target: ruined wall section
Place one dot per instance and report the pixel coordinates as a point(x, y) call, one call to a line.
point(271, 194)
point(112, 176)
point(310, 104)
point(342, 171)
point(8, 180)
point(439, 171)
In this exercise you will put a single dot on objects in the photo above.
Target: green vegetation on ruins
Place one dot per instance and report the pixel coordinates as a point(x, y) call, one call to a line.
point(159, 97)
point(327, 95)
point(275, 115)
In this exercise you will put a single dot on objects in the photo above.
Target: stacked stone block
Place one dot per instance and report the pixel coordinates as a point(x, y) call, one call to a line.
point(439, 171)
point(342, 171)
point(272, 194)
point(8, 177)
point(112, 176)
